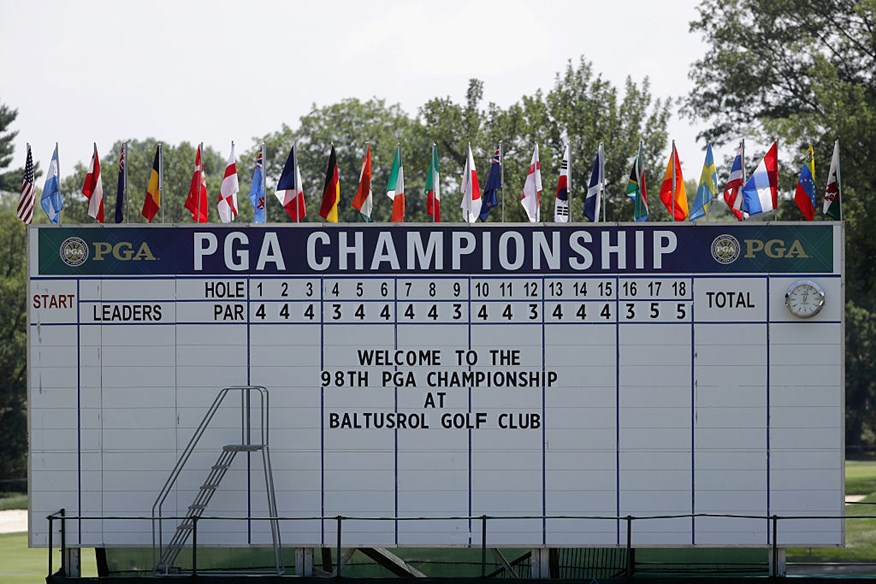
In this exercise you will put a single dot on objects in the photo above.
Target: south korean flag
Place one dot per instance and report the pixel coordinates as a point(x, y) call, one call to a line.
point(561, 206)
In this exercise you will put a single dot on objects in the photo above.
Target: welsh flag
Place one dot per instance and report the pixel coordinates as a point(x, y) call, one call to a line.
point(395, 188)
point(433, 188)
point(833, 191)
point(363, 201)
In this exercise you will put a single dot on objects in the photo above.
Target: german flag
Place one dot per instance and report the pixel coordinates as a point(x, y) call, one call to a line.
point(152, 203)
point(331, 192)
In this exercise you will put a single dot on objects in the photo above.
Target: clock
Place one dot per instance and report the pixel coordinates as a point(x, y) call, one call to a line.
point(804, 298)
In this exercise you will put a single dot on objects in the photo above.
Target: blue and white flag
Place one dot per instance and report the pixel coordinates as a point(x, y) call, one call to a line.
point(593, 202)
point(257, 191)
point(52, 201)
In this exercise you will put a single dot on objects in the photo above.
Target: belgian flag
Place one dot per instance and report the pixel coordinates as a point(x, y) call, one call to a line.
point(152, 203)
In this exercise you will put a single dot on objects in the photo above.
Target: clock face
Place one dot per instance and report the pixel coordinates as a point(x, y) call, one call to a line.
point(804, 298)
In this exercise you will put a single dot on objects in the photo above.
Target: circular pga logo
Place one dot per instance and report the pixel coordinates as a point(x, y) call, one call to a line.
point(725, 249)
point(74, 251)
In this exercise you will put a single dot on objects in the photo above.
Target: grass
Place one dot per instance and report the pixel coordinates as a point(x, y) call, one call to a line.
point(860, 477)
point(13, 501)
point(21, 565)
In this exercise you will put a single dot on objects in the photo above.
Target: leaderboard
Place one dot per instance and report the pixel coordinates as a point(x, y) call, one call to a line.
point(555, 378)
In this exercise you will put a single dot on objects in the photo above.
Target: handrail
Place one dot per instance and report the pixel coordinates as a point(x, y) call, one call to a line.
point(245, 435)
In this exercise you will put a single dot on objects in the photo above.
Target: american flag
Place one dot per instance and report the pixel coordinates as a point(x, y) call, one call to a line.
point(26, 202)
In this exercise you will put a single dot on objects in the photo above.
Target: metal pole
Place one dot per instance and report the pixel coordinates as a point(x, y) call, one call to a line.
point(629, 546)
point(742, 161)
point(58, 160)
point(839, 182)
point(194, 545)
point(200, 177)
point(601, 154)
point(63, 543)
point(125, 146)
point(569, 183)
point(161, 181)
point(265, 180)
point(297, 186)
point(672, 192)
point(51, 519)
point(502, 179)
point(338, 569)
point(483, 546)
point(774, 568)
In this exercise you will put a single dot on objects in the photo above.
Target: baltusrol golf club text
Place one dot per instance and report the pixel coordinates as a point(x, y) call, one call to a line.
point(444, 373)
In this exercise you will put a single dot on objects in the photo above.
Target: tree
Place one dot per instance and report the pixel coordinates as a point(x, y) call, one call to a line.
point(805, 71)
point(13, 348)
point(9, 181)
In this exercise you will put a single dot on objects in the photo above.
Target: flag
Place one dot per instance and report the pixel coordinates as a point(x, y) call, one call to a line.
point(672, 191)
point(637, 189)
point(531, 199)
point(331, 190)
point(593, 200)
point(708, 188)
point(363, 201)
point(257, 189)
point(122, 184)
point(833, 191)
point(395, 188)
point(227, 204)
point(561, 205)
point(51, 200)
point(471, 190)
point(196, 202)
point(494, 182)
point(761, 190)
point(28, 198)
point(93, 188)
point(433, 187)
point(734, 183)
point(804, 194)
point(152, 202)
point(290, 191)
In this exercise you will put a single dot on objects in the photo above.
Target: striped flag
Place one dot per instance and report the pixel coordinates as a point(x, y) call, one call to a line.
point(708, 187)
point(93, 188)
point(672, 191)
point(364, 201)
point(290, 192)
point(26, 202)
point(331, 190)
point(734, 183)
point(433, 187)
point(561, 205)
point(395, 188)
point(152, 202)
point(196, 202)
point(51, 200)
point(227, 204)
point(531, 198)
point(761, 190)
point(804, 194)
point(471, 190)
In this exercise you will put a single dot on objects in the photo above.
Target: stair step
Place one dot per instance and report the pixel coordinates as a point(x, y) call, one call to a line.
point(220, 467)
point(243, 447)
point(209, 486)
point(197, 507)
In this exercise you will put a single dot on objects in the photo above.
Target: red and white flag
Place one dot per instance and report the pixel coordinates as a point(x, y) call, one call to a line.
point(196, 202)
point(93, 188)
point(228, 191)
point(26, 202)
point(471, 190)
point(732, 195)
point(531, 199)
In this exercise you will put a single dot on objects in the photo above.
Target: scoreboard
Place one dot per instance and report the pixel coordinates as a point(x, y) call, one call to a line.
point(558, 378)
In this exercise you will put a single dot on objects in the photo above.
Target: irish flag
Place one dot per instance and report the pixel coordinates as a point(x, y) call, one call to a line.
point(395, 188)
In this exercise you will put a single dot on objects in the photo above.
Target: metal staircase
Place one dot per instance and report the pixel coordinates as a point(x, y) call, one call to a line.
point(165, 554)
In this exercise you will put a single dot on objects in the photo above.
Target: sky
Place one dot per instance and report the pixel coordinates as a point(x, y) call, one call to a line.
point(217, 71)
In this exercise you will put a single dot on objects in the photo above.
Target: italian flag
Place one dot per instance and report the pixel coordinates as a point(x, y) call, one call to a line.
point(433, 188)
point(395, 188)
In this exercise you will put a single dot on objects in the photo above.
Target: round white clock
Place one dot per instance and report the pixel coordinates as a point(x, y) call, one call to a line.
point(804, 298)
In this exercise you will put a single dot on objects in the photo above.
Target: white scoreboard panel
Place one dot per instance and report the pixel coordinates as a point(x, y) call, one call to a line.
point(569, 375)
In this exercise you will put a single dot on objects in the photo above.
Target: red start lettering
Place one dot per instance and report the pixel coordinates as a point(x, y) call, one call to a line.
point(53, 300)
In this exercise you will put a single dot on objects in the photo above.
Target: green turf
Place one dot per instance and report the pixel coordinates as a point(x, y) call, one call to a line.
point(860, 539)
point(13, 501)
point(860, 477)
point(20, 565)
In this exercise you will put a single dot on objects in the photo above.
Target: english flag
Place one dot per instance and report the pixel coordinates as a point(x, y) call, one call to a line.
point(531, 199)
point(227, 204)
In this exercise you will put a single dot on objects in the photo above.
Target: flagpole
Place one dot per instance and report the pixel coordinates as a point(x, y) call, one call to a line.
point(839, 182)
point(297, 186)
point(125, 146)
point(569, 183)
point(58, 161)
point(264, 181)
point(741, 194)
point(200, 177)
point(778, 202)
point(161, 181)
point(672, 192)
point(431, 158)
point(601, 154)
point(502, 180)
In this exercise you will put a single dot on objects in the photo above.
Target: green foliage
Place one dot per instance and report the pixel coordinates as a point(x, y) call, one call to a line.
point(805, 71)
point(13, 348)
point(9, 181)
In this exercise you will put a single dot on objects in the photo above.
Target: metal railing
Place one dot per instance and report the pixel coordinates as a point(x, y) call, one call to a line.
point(483, 521)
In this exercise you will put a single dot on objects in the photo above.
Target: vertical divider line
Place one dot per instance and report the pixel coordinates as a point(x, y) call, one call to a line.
point(617, 404)
point(322, 412)
point(248, 382)
point(395, 397)
point(768, 469)
point(693, 417)
point(543, 419)
point(469, 411)
point(78, 410)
